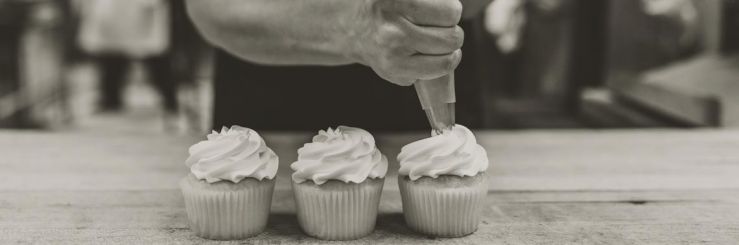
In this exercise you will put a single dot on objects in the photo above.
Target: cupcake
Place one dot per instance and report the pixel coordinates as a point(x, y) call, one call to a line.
point(337, 182)
point(229, 190)
point(442, 183)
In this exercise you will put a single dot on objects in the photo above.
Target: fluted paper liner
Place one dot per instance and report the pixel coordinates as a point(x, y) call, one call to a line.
point(336, 210)
point(447, 206)
point(227, 211)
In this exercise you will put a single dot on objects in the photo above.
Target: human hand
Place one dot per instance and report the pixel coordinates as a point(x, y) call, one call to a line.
point(405, 40)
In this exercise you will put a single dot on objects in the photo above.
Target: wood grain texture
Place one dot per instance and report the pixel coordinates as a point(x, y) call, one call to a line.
point(509, 217)
point(546, 187)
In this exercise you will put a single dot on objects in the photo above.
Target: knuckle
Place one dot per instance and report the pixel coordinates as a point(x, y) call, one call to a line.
point(455, 10)
point(447, 64)
point(450, 62)
point(393, 41)
point(456, 59)
point(390, 35)
point(399, 49)
point(412, 5)
point(457, 38)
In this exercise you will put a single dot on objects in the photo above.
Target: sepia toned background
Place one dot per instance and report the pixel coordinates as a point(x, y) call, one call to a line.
point(605, 121)
point(567, 64)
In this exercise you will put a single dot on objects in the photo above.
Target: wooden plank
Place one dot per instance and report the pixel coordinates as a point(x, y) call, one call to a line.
point(701, 91)
point(599, 109)
point(521, 160)
point(664, 186)
point(510, 217)
point(681, 108)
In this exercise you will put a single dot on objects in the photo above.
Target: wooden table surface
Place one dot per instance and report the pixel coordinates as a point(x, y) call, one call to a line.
point(546, 187)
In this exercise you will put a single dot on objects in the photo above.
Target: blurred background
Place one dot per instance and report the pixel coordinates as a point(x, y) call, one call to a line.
point(527, 64)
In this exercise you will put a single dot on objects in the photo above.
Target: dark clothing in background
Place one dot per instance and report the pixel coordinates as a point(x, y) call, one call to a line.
point(188, 50)
point(310, 98)
point(178, 65)
point(114, 69)
point(316, 97)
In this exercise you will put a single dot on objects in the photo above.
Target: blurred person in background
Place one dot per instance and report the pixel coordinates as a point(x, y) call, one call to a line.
point(531, 52)
point(538, 34)
point(681, 15)
point(116, 33)
point(303, 65)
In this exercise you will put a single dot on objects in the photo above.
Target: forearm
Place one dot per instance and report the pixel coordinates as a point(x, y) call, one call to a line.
point(401, 40)
point(279, 32)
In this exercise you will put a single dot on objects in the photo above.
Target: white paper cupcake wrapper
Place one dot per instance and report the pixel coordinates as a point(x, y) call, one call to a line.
point(442, 212)
point(228, 214)
point(340, 211)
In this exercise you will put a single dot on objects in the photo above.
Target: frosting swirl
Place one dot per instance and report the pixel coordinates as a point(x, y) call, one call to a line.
point(232, 154)
point(453, 152)
point(347, 154)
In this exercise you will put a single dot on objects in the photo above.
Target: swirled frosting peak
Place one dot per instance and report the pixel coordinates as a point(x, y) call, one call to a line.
point(347, 154)
point(232, 154)
point(453, 152)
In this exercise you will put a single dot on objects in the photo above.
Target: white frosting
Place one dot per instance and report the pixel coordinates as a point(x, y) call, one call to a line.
point(232, 154)
point(453, 152)
point(347, 154)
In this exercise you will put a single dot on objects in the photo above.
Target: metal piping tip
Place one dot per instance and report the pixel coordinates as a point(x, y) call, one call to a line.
point(441, 117)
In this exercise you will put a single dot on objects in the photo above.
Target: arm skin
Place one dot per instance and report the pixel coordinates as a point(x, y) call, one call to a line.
point(279, 32)
point(401, 40)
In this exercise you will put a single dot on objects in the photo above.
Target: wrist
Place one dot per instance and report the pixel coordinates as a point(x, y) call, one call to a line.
point(353, 25)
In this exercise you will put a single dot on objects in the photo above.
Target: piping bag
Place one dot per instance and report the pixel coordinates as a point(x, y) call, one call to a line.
point(437, 99)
